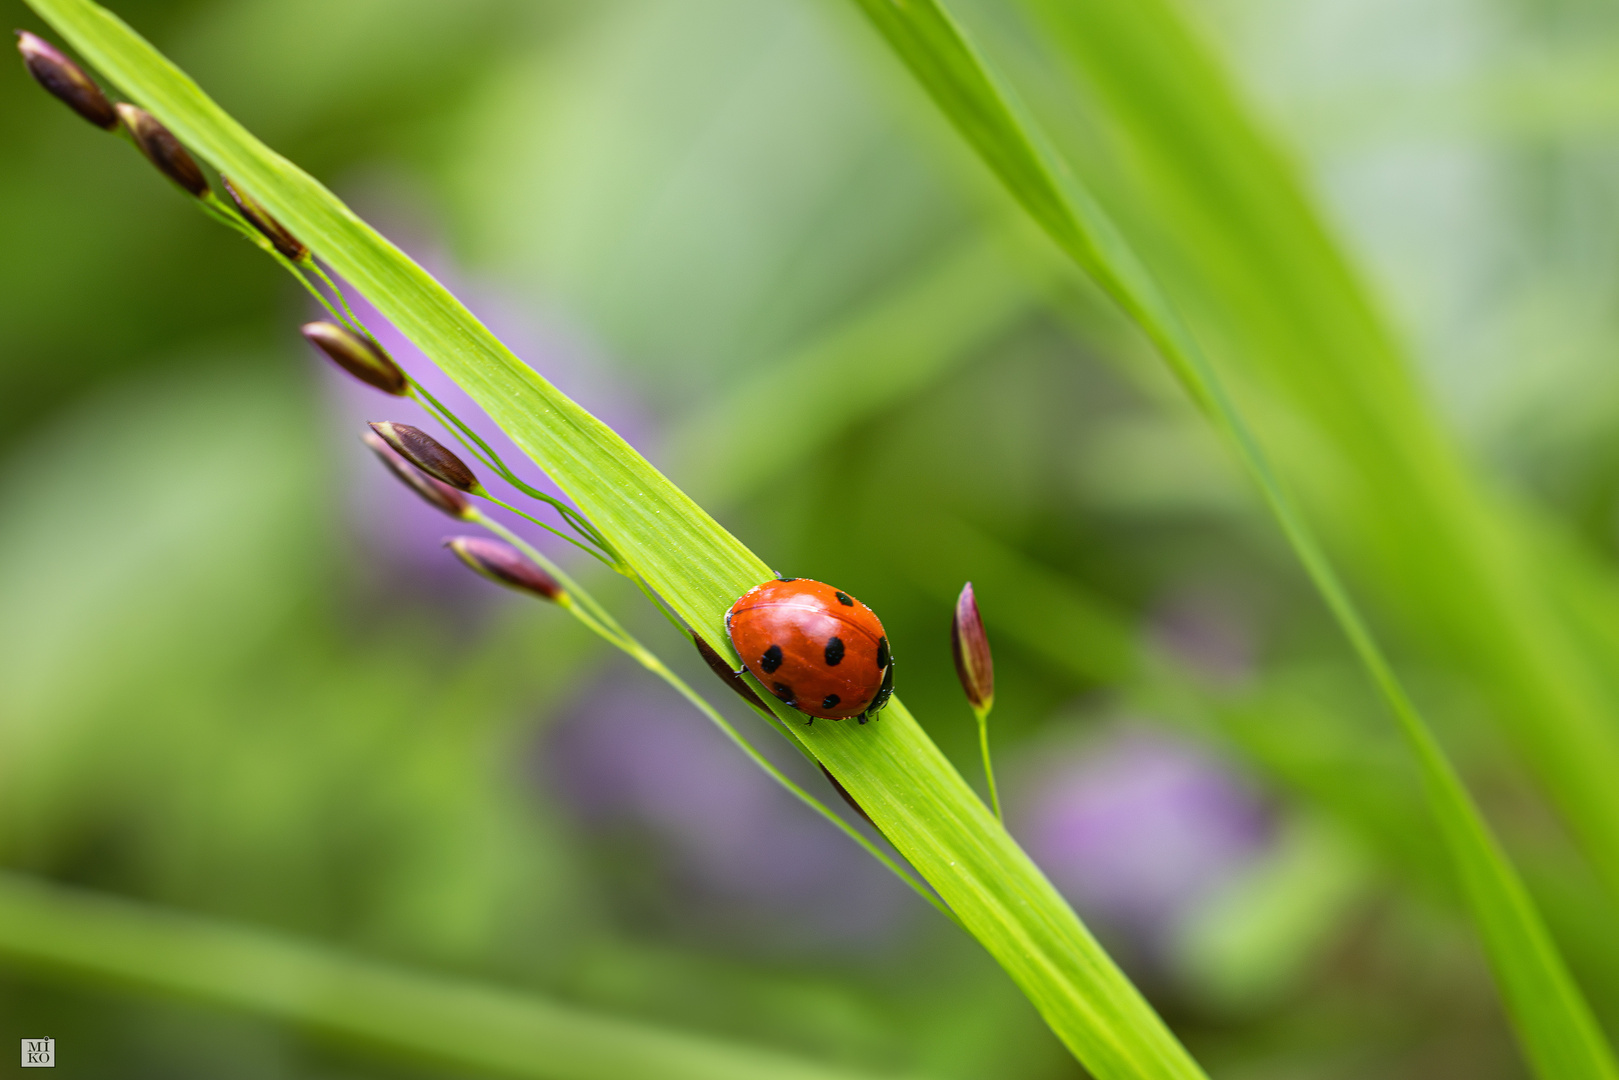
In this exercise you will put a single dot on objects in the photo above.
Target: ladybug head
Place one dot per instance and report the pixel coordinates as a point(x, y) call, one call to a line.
point(883, 693)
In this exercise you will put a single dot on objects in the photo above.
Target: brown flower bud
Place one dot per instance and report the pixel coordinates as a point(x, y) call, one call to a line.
point(970, 647)
point(717, 664)
point(257, 216)
point(436, 493)
point(427, 454)
point(359, 356)
point(500, 562)
point(163, 150)
point(66, 81)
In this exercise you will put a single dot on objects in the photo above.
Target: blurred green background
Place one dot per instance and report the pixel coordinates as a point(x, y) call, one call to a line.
point(240, 680)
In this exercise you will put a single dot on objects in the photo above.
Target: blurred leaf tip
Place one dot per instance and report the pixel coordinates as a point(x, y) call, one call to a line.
point(969, 645)
point(359, 356)
point(261, 219)
point(502, 563)
point(66, 81)
point(162, 149)
point(427, 454)
point(435, 493)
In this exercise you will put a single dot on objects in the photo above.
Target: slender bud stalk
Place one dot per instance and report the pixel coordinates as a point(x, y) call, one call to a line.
point(718, 666)
point(427, 454)
point(66, 81)
point(969, 645)
point(435, 493)
point(501, 563)
point(257, 216)
point(162, 149)
point(359, 356)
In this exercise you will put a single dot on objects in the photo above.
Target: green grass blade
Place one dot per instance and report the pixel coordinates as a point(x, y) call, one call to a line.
point(1147, 116)
point(462, 1023)
point(896, 773)
point(1554, 1024)
point(1039, 609)
point(892, 349)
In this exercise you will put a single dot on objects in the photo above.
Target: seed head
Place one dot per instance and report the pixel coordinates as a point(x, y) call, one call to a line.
point(504, 564)
point(66, 81)
point(275, 232)
point(163, 150)
point(970, 647)
point(359, 356)
point(436, 493)
point(427, 454)
point(718, 665)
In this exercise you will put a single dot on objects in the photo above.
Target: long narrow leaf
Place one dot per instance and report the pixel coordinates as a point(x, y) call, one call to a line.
point(457, 1021)
point(896, 773)
point(1554, 1024)
point(1167, 147)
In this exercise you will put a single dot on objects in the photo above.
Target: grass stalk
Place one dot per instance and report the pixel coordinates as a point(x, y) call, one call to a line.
point(1554, 1024)
point(455, 1021)
point(913, 794)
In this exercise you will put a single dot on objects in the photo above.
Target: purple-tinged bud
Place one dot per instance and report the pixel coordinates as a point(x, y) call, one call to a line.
point(163, 150)
point(436, 493)
point(257, 216)
point(500, 562)
point(718, 666)
point(970, 647)
point(359, 356)
point(427, 454)
point(66, 81)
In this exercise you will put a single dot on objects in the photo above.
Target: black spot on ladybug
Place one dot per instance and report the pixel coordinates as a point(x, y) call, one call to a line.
point(834, 652)
point(829, 701)
point(882, 653)
point(785, 692)
point(771, 660)
point(843, 597)
point(780, 578)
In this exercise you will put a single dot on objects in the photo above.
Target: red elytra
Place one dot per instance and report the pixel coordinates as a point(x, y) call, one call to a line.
point(815, 647)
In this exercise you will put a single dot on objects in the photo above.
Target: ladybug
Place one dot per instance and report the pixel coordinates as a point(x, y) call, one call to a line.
point(815, 647)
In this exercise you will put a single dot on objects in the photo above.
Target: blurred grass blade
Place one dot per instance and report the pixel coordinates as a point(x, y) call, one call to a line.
point(1145, 113)
point(461, 1023)
point(892, 348)
point(1043, 611)
point(896, 773)
point(1555, 1026)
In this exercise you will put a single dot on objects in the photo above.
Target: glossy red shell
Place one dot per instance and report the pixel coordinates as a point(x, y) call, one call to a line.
point(815, 647)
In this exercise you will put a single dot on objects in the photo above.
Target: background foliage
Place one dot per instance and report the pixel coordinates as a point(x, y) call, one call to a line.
point(238, 679)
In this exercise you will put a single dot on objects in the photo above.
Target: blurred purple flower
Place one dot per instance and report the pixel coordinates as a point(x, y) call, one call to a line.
point(1205, 634)
point(735, 849)
point(1139, 829)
